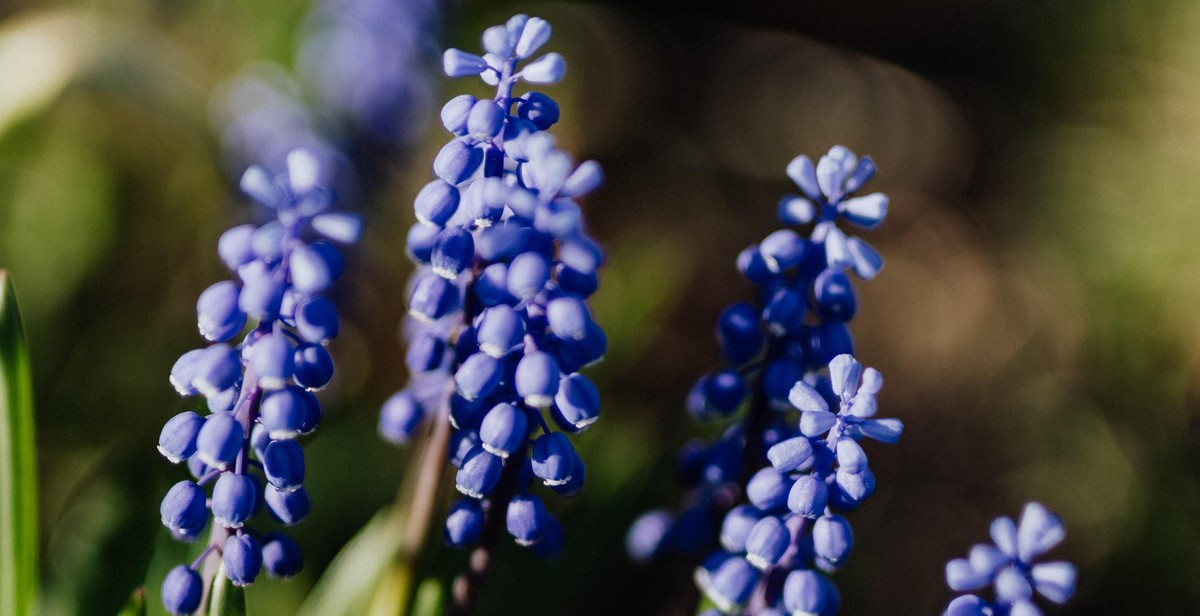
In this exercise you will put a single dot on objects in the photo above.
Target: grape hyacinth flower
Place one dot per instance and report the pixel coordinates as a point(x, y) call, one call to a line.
point(1008, 565)
point(767, 498)
point(268, 331)
point(499, 325)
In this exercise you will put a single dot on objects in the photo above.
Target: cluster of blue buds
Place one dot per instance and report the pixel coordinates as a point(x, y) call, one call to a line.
point(499, 326)
point(268, 331)
point(1008, 565)
point(796, 450)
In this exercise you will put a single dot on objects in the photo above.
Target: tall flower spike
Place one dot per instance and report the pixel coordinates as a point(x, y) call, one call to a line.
point(268, 329)
point(776, 483)
point(1008, 565)
point(499, 326)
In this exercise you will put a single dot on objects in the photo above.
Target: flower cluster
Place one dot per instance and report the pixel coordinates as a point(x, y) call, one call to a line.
point(499, 326)
point(258, 385)
point(1009, 566)
point(798, 473)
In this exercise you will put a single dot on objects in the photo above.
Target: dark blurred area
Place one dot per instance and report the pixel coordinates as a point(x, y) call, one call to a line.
point(1035, 322)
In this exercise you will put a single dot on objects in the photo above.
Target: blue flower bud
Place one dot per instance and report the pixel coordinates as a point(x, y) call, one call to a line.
point(223, 402)
point(317, 320)
point(832, 538)
point(645, 537)
point(342, 227)
point(553, 458)
point(425, 352)
point(786, 456)
point(504, 429)
point(436, 203)
point(183, 508)
point(453, 252)
point(834, 295)
point(485, 120)
point(537, 378)
point(233, 500)
point(576, 354)
point(553, 540)
point(768, 489)
point(400, 418)
point(310, 272)
point(736, 526)
point(467, 414)
point(794, 210)
point(267, 242)
point(182, 590)
point(312, 411)
point(577, 402)
point(313, 367)
point(767, 541)
point(216, 370)
point(259, 439)
point(418, 244)
point(717, 394)
point(479, 472)
point(243, 559)
point(497, 41)
point(281, 556)
point(234, 246)
point(491, 287)
point(967, 605)
point(867, 211)
point(501, 330)
point(527, 275)
point(454, 114)
point(288, 508)
point(478, 376)
point(458, 63)
point(217, 312)
point(539, 109)
point(732, 584)
point(283, 464)
point(457, 161)
point(549, 68)
point(177, 441)
point(462, 442)
point(262, 293)
point(260, 185)
point(574, 485)
point(464, 524)
point(782, 250)
point(575, 282)
point(534, 34)
point(784, 313)
point(219, 441)
point(739, 333)
point(568, 317)
point(271, 360)
point(283, 412)
point(183, 372)
point(806, 592)
point(751, 264)
point(433, 297)
point(526, 517)
point(830, 339)
point(808, 497)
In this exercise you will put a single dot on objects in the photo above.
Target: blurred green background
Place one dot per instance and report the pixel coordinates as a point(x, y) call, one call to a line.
point(1036, 320)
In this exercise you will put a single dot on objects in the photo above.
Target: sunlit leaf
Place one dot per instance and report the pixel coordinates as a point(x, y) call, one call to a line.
point(349, 583)
point(18, 473)
point(136, 606)
point(227, 599)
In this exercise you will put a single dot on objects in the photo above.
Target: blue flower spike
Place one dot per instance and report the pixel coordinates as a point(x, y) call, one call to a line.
point(1009, 566)
point(498, 307)
point(268, 328)
point(798, 402)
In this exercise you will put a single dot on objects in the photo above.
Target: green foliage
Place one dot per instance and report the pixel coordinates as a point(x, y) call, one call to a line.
point(227, 599)
point(18, 473)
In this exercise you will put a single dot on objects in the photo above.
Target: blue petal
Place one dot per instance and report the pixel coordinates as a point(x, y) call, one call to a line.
point(868, 211)
point(816, 423)
point(1055, 581)
point(844, 373)
point(1039, 531)
point(804, 175)
point(882, 430)
point(804, 397)
point(549, 68)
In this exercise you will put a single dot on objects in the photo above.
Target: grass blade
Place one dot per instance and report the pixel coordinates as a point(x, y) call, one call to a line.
point(18, 471)
point(227, 599)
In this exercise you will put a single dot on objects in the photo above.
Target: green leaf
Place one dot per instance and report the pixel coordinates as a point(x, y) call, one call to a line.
point(18, 473)
point(227, 599)
point(431, 598)
point(349, 583)
point(136, 606)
